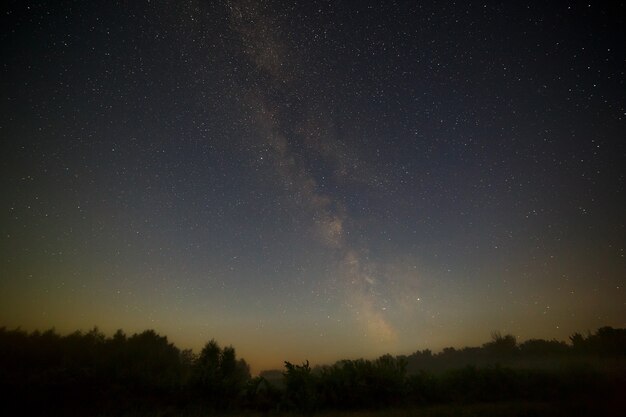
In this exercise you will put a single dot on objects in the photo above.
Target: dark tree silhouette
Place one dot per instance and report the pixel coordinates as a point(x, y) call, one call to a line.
point(219, 376)
point(300, 387)
point(44, 373)
point(501, 345)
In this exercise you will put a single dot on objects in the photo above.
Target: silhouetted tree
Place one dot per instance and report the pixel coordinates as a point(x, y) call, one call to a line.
point(501, 345)
point(363, 383)
point(539, 347)
point(608, 341)
point(300, 387)
point(46, 373)
point(219, 375)
point(261, 395)
point(150, 360)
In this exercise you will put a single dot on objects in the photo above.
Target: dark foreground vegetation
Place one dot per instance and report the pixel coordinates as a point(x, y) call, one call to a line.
point(143, 374)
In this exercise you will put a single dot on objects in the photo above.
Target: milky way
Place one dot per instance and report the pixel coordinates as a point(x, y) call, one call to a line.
point(316, 180)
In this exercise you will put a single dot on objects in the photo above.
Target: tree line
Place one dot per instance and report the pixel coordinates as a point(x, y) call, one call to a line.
point(75, 374)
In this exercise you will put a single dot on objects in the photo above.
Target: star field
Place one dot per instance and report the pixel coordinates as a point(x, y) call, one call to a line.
point(316, 180)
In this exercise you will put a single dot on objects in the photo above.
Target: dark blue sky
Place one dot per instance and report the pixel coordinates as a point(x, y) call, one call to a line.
point(320, 180)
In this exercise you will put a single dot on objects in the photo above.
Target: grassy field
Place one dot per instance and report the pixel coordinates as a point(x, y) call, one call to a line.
point(581, 408)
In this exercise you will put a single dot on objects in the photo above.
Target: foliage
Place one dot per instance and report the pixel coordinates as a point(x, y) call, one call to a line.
point(219, 376)
point(501, 345)
point(300, 386)
point(364, 383)
point(81, 373)
point(606, 341)
point(90, 371)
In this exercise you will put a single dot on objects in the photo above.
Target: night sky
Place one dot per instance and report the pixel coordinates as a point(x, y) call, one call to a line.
point(317, 181)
